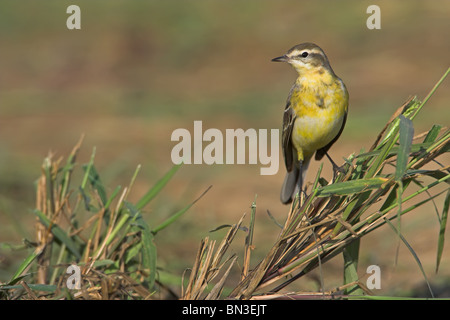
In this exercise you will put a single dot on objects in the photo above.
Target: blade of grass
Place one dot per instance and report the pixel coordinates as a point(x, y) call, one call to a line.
point(432, 134)
point(17, 276)
point(406, 135)
point(394, 151)
point(399, 215)
point(351, 257)
point(430, 93)
point(406, 110)
point(442, 228)
point(95, 181)
point(148, 246)
point(157, 188)
point(350, 187)
point(249, 241)
point(68, 168)
point(380, 159)
point(405, 141)
point(177, 215)
point(88, 170)
point(411, 250)
point(59, 233)
point(37, 287)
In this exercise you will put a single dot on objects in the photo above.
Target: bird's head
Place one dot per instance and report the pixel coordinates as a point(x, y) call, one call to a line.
point(306, 57)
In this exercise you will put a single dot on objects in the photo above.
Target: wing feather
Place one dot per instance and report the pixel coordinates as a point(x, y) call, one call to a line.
point(288, 125)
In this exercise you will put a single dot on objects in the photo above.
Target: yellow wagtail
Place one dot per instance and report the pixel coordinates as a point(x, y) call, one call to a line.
point(314, 117)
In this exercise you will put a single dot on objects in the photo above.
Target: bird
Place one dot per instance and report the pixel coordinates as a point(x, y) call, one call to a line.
point(314, 116)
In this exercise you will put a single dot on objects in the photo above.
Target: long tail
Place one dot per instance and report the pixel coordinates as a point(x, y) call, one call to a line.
point(293, 182)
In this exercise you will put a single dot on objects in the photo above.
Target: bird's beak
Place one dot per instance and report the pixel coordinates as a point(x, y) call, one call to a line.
point(283, 58)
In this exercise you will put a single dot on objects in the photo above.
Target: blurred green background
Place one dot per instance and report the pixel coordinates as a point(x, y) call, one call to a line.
point(137, 70)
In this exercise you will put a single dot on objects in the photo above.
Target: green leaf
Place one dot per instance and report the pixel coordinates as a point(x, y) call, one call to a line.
point(37, 287)
point(177, 214)
point(413, 254)
point(95, 181)
point(157, 188)
point(392, 199)
point(107, 214)
point(59, 233)
point(148, 249)
point(405, 141)
point(249, 240)
point(351, 187)
point(436, 174)
point(17, 276)
point(432, 134)
point(88, 170)
point(414, 148)
point(351, 256)
point(442, 228)
point(86, 200)
point(104, 262)
point(132, 252)
point(430, 94)
point(386, 148)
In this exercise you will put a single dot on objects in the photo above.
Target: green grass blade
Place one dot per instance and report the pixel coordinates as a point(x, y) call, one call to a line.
point(176, 215)
point(399, 214)
point(350, 187)
point(67, 170)
point(59, 234)
point(415, 194)
point(430, 93)
point(88, 170)
point(442, 228)
point(114, 194)
point(413, 254)
point(132, 252)
point(391, 199)
point(436, 174)
point(157, 188)
point(351, 256)
point(17, 276)
point(405, 141)
point(249, 241)
point(432, 134)
point(95, 181)
point(37, 287)
point(414, 148)
point(392, 130)
point(148, 249)
point(390, 139)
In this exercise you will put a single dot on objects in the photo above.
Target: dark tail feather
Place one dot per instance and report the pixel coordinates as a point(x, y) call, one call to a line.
point(293, 182)
point(289, 185)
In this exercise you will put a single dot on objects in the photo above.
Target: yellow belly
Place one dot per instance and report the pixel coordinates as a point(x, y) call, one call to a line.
point(314, 132)
point(320, 114)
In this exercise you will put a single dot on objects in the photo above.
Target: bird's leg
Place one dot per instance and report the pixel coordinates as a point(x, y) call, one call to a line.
point(336, 168)
point(300, 182)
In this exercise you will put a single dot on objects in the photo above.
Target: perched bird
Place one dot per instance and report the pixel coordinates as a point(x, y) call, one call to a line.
point(314, 117)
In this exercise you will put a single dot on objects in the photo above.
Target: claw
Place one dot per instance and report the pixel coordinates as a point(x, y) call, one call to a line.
point(336, 168)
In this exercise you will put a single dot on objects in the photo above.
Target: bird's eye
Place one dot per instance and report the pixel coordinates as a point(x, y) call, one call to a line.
point(304, 54)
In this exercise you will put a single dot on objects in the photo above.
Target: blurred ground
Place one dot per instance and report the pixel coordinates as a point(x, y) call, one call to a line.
point(136, 71)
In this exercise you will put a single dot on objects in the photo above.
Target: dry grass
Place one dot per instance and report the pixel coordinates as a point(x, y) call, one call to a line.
point(335, 216)
point(107, 237)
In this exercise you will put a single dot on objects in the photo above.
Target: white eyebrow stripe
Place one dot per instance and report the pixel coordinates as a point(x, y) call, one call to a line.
point(297, 52)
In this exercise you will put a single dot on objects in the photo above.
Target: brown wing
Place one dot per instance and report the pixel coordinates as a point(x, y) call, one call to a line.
point(321, 152)
point(288, 124)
